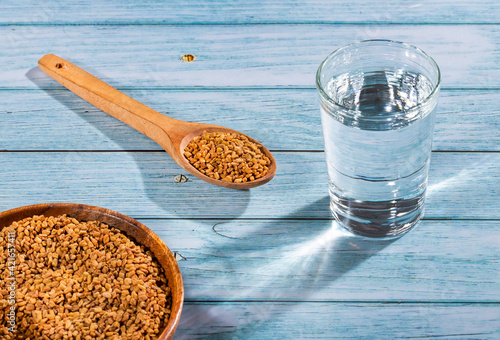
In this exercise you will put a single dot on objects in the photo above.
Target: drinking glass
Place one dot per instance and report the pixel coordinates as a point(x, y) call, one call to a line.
point(378, 105)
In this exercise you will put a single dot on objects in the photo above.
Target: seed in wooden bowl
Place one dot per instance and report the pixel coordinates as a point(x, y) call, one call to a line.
point(79, 280)
point(227, 156)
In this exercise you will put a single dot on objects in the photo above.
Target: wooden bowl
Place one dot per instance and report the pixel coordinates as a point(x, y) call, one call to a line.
point(135, 230)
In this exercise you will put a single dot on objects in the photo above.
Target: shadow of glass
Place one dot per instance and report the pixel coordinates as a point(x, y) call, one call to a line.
point(161, 176)
point(288, 260)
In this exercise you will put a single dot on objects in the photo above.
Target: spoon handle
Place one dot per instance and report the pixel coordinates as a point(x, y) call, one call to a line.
point(153, 124)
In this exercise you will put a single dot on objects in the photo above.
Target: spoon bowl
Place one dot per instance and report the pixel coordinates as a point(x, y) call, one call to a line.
point(184, 163)
point(171, 134)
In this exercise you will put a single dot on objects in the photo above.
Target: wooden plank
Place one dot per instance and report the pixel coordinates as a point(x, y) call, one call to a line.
point(229, 55)
point(467, 120)
point(310, 11)
point(304, 260)
point(339, 320)
point(141, 184)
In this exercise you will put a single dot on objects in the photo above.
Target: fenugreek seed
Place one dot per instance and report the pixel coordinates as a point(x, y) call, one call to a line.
point(226, 156)
point(65, 265)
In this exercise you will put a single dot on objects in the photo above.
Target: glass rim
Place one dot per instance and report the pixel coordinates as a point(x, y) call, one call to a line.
point(326, 97)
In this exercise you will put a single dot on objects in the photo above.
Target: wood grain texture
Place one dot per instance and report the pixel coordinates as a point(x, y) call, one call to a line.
point(304, 260)
point(338, 321)
point(228, 55)
point(467, 120)
point(141, 184)
point(266, 263)
point(239, 11)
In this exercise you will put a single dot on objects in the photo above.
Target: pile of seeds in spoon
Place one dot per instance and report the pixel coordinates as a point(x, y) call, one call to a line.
point(228, 157)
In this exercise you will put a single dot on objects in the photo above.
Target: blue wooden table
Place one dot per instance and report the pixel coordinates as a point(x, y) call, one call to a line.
point(267, 263)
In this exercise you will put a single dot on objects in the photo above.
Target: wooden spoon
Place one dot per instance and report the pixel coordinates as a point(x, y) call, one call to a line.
point(171, 134)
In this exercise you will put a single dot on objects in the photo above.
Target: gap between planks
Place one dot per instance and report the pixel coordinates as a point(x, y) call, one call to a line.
point(260, 23)
point(231, 88)
point(160, 151)
point(382, 302)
